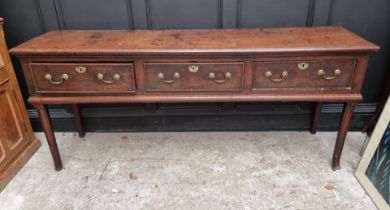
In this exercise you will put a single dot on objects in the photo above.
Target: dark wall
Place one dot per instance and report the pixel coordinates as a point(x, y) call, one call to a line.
point(26, 19)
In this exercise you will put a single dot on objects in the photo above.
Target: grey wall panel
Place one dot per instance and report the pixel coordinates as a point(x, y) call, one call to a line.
point(94, 14)
point(48, 14)
point(229, 13)
point(371, 20)
point(272, 13)
point(173, 14)
point(321, 13)
point(139, 14)
point(22, 22)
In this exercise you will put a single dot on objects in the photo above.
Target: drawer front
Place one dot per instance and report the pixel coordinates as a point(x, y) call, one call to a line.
point(83, 77)
point(194, 76)
point(329, 74)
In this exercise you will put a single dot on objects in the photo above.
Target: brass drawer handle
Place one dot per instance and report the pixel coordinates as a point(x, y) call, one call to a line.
point(63, 78)
point(161, 76)
point(115, 78)
point(212, 76)
point(283, 75)
point(336, 72)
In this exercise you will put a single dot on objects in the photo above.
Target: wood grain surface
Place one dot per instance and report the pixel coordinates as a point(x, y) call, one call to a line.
point(279, 40)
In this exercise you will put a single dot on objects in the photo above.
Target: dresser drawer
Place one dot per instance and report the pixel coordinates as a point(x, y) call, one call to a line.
point(83, 77)
point(194, 76)
point(327, 74)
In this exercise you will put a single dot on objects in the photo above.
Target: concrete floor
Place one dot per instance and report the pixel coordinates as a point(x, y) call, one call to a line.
point(191, 170)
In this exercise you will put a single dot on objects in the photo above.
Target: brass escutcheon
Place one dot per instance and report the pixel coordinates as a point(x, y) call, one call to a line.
point(193, 69)
point(80, 69)
point(303, 65)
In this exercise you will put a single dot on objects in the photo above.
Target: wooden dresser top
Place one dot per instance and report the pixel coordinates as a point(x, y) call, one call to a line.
point(139, 42)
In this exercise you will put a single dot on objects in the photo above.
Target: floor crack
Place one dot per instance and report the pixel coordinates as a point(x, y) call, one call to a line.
point(104, 170)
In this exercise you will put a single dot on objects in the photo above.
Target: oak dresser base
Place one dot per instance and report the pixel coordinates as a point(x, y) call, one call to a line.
point(319, 64)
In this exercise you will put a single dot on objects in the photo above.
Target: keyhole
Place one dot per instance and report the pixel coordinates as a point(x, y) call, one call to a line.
point(303, 66)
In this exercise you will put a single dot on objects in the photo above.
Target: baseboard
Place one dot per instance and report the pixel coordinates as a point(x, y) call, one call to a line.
point(206, 117)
